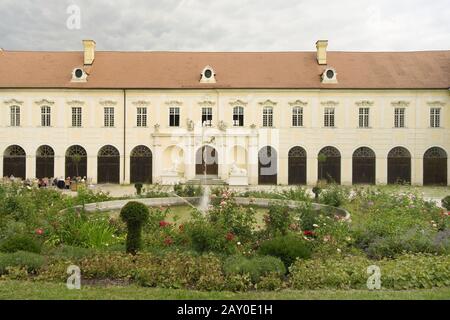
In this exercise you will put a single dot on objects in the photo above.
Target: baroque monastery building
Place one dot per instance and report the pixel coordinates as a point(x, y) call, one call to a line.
point(237, 117)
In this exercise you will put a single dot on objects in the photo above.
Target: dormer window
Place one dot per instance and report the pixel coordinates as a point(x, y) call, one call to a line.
point(207, 75)
point(79, 75)
point(329, 76)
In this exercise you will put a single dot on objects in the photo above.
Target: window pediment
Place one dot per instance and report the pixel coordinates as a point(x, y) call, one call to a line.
point(12, 101)
point(268, 103)
point(298, 102)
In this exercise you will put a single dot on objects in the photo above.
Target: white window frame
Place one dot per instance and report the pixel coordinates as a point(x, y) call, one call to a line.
point(329, 120)
point(207, 116)
point(108, 116)
point(46, 113)
point(268, 117)
point(14, 116)
point(141, 119)
point(238, 115)
point(435, 117)
point(399, 117)
point(174, 112)
point(77, 117)
point(297, 116)
point(364, 117)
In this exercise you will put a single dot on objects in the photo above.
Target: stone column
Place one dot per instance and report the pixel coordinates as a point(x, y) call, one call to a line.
point(417, 171)
point(60, 166)
point(311, 169)
point(252, 167)
point(30, 167)
point(346, 170)
point(381, 170)
point(92, 168)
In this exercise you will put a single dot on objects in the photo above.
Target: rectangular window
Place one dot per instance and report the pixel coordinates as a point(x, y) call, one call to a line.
point(399, 117)
point(363, 117)
point(206, 117)
point(267, 117)
point(141, 116)
point(76, 117)
point(15, 116)
point(109, 117)
point(45, 116)
point(297, 117)
point(238, 116)
point(174, 117)
point(329, 117)
point(435, 117)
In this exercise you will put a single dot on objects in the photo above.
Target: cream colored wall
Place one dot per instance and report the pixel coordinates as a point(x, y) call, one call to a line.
point(417, 137)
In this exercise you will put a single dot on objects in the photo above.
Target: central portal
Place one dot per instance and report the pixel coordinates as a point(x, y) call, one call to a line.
point(206, 161)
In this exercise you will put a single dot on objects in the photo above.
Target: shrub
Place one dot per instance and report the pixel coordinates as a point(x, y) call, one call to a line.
point(206, 237)
point(288, 248)
point(188, 190)
point(21, 259)
point(138, 187)
point(278, 220)
point(334, 195)
point(20, 242)
point(135, 214)
point(71, 252)
point(256, 267)
point(446, 202)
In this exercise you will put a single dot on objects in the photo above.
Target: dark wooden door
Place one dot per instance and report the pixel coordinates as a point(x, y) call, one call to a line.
point(363, 170)
point(45, 167)
point(399, 170)
point(330, 170)
point(267, 166)
point(108, 168)
point(15, 166)
point(297, 166)
point(435, 171)
point(207, 161)
point(141, 169)
point(76, 167)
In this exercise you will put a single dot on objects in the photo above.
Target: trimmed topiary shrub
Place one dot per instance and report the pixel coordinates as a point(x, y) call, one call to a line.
point(20, 242)
point(138, 187)
point(135, 214)
point(288, 248)
point(256, 267)
point(32, 262)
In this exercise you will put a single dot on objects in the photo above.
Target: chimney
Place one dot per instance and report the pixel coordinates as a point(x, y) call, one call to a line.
point(321, 46)
point(89, 52)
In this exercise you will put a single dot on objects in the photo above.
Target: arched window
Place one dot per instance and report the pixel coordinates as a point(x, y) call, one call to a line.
point(435, 167)
point(76, 162)
point(297, 166)
point(14, 162)
point(108, 165)
point(363, 166)
point(399, 166)
point(141, 165)
point(45, 162)
point(329, 165)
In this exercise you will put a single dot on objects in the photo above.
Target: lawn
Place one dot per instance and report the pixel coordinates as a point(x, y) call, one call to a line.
point(58, 291)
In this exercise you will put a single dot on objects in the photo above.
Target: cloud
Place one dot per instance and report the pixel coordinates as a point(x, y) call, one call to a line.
point(227, 25)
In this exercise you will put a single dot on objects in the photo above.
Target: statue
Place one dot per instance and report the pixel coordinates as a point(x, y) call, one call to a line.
point(222, 125)
point(157, 128)
point(174, 169)
point(236, 171)
point(190, 125)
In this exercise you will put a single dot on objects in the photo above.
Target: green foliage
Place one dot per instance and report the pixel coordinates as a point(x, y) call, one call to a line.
point(71, 252)
point(446, 202)
point(154, 191)
point(135, 214)
point(256, 267)
point(405, 272)
point(207, 237)
point(288, 248)
point(278, 220)
point(334, 195)
point(188, 190)
point(79, 229)
point(20, 242)
point(27, 260)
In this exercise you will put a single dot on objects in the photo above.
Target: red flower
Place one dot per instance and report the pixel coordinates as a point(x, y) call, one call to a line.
point(308, 233)
point(39, 231)
point(168, 241)
point(163, 224)
point(230, 236)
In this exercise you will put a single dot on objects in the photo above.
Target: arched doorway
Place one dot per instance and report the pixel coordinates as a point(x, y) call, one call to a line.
point(108, 165)
point(329, 165)
point(14, 162)
point(76, 162)
point(399, 166)
point(45, 162)
point(206, 161)
point(141, 161)
point(297, 166)
point(267, 166)
point(364, 166)
point(435, 167)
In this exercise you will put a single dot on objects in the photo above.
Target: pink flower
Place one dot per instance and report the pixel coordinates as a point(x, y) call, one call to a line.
point(39, 231)
point(230, 236)
point(168, 241)
point(163, 224)
point(308, 233)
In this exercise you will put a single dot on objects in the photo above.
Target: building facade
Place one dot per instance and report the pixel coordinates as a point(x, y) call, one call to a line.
point(244, 118)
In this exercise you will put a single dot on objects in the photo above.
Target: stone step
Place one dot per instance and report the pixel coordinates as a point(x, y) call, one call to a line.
point(208, 181)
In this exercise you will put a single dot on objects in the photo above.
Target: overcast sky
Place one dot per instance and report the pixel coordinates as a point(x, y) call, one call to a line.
point(227, 25)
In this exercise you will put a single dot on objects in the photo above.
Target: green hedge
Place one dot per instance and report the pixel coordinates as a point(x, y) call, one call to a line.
point(255, 267)
point(32, 262)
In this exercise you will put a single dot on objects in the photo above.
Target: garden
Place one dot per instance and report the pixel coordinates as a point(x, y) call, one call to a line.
point(298, 245)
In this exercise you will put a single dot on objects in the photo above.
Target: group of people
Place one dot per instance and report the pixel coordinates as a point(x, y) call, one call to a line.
point(60, 183)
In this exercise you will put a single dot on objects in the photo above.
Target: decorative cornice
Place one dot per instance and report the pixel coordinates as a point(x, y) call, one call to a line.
point(400, 103)
point(76, 103)
point(12, 101)
point(436, 103)
point(298, 102)
point(364, 103)
point(141, 103)
point(108, 103)
point(206, 103)
point(174, 103)
point(44, 101)
point(268, 103)
point(329, 103)
point(238, 102)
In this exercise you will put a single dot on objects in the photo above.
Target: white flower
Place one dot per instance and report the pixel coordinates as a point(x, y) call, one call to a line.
point(239, 243)
point(339, 250)
point(315, 225)
point(348, 239)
